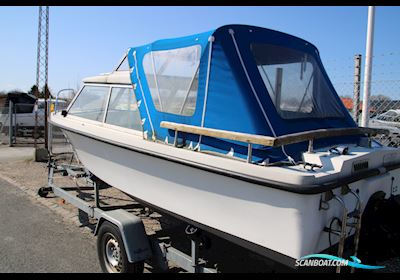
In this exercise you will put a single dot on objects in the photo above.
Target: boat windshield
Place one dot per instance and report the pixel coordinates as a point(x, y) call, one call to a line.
point(295, 82)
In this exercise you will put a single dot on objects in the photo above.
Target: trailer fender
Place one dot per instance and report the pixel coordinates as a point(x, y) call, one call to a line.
point(133, 234)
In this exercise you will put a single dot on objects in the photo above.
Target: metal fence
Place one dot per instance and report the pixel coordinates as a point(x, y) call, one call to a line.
point(4, 130)
point(384, 104)
point(22, 125)
point(58, 143)
point(346, 75)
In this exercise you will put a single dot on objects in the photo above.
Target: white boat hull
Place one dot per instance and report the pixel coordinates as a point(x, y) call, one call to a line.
point(288, 223)
point(273, 222)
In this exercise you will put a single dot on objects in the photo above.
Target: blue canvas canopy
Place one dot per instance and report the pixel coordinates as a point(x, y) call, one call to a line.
point(239, 78)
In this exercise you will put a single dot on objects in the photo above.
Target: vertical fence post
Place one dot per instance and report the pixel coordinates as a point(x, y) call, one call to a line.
point(356, 92)
point(15, 109)
point(49, 127)
point(35, 129)
point(46, 108)
point(10, 123)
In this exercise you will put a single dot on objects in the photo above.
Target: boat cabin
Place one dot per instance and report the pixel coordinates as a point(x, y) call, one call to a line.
point(238, 78)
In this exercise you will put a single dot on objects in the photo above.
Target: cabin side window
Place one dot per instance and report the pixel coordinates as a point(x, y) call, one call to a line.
point(173, 78)
point(91, 103)
point(123, 109)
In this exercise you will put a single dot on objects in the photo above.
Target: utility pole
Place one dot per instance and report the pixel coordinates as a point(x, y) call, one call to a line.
point(368, 66)
point(356, 92)
point(42, 65)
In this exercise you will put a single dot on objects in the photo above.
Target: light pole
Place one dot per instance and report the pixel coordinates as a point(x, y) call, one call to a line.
point(368, 66)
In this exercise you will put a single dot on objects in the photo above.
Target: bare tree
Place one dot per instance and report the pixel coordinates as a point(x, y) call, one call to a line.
point(34, 90)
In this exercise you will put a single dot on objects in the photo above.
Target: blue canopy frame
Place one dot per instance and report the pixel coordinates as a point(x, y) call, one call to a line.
point(235, 94)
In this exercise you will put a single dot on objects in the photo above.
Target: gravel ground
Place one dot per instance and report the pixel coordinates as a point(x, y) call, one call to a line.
point(30, 176)
point(33, 175)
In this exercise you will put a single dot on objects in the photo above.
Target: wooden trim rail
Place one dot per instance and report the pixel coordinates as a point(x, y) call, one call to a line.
point(273, 141)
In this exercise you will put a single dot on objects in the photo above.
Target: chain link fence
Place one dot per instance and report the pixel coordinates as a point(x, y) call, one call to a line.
point(22, 125)
point(58, 144)
point(346, 75)
point(4, 130)
point(384, 104)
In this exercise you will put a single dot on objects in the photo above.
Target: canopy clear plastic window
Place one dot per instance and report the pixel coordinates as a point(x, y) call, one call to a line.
point(295, 82)
point(123, 109)
point(172, 77)
point(90, 103)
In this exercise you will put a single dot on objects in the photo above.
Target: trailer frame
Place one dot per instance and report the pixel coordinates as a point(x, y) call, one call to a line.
point(138, 246)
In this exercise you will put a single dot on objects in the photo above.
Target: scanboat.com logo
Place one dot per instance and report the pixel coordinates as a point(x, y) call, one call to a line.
point(329, 260)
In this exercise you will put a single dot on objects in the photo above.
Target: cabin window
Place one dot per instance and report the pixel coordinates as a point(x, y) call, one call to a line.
point(295, 82)
point(173, 78)
point(123, 109)
point(90, 103)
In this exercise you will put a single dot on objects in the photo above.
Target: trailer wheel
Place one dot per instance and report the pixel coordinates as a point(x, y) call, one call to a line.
point(111, 251)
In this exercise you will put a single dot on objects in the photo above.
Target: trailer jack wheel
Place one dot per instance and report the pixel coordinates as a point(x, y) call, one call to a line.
point(43, 192)
point(111, 251)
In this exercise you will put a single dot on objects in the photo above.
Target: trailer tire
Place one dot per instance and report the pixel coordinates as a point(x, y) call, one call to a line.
point(111, 251)
point(42, 192)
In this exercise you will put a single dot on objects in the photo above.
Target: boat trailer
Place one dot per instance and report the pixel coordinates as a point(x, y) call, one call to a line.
point(122, 243)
